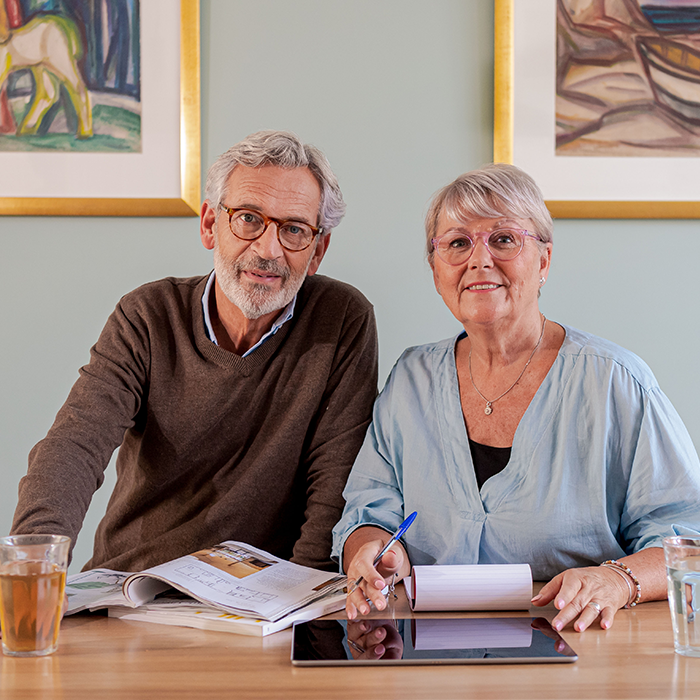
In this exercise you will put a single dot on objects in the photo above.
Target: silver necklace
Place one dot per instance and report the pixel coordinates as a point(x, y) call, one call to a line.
point(488, 410)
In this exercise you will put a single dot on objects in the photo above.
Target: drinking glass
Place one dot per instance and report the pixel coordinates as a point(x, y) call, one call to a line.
point(32, 582)
point(683, 575)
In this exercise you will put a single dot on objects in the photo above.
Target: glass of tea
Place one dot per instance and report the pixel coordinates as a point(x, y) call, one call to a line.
point(32, 582)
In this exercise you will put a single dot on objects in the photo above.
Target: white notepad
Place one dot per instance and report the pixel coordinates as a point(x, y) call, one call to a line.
point(470, 587)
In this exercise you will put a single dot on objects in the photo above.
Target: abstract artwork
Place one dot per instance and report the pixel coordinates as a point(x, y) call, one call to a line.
point(628, 78)
point(99, 108)
point(599, 100)
point(70, 75)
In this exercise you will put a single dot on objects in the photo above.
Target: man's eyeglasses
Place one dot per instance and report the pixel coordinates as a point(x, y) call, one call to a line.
point(456, 247)
point(248, 225)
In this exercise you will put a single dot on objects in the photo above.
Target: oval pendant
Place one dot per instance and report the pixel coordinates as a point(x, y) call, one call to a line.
point(488, 410)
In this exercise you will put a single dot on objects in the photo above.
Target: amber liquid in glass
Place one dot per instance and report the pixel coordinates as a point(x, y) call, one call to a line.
point(31, 598)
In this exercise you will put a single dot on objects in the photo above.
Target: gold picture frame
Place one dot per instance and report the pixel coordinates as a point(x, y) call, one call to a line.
point(505, 49)
point(188, 202)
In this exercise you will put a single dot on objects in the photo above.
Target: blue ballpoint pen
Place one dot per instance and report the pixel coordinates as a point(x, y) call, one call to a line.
point(396, 536)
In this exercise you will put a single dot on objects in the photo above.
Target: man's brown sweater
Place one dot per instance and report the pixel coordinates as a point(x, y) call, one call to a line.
point(213, 446)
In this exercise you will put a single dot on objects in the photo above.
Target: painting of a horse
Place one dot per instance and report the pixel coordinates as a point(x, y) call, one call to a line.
point(70, 75)
point(49, 46)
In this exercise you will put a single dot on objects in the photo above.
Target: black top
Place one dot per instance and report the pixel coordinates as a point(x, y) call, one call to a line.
point(488, 460)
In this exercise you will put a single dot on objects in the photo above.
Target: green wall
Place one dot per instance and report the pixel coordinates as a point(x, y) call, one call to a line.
point(398, 93)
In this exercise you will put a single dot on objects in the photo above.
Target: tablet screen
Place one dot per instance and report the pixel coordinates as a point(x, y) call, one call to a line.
point(483, 640)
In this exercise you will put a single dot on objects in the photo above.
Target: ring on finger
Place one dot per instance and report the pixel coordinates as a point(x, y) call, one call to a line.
point(595, 606)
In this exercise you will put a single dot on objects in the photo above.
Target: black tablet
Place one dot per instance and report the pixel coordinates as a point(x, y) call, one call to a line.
point(482, 640)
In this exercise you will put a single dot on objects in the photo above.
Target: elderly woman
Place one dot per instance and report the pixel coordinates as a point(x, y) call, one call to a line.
point(520, 440)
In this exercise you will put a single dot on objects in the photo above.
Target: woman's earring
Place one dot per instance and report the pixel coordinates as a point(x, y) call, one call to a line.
point(542, 281)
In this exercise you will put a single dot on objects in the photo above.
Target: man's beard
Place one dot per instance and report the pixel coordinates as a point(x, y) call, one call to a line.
point(256, 300)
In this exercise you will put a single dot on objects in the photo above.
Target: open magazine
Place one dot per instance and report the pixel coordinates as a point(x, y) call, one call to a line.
point(233, 577)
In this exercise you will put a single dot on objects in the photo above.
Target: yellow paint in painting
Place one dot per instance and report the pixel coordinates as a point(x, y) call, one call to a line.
point(4, 24)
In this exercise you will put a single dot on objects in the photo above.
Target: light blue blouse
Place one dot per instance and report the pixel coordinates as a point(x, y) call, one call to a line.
point(601, 465)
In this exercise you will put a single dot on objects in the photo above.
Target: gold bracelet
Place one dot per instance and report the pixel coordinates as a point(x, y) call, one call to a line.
point(620, 567)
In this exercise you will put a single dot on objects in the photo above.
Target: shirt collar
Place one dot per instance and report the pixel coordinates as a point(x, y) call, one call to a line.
point(285, 315)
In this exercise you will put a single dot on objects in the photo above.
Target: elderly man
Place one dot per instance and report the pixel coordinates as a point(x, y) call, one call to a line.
point(239, 398)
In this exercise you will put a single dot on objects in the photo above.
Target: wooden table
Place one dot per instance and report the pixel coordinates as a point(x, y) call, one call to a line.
point(105, 658)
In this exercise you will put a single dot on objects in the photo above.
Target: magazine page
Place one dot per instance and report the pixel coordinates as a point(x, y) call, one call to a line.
point(94, 589)
point(470, 587)
point(237, 578)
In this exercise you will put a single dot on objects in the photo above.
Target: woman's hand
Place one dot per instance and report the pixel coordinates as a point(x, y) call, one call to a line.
point(361, 548)
point(583, 595)
point(374, 580)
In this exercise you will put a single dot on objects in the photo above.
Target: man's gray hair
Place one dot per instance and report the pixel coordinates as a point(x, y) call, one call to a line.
point(284, 150)
point(497, 189)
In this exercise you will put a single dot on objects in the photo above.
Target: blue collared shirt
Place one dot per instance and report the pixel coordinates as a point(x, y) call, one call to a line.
point(601, 465)
point(285, 315)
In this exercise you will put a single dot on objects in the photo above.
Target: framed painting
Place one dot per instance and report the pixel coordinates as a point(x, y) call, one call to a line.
point(99, 108)
point(599, 100)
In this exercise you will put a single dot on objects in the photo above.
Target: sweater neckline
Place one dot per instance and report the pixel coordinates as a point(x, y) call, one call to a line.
point(230, 360)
